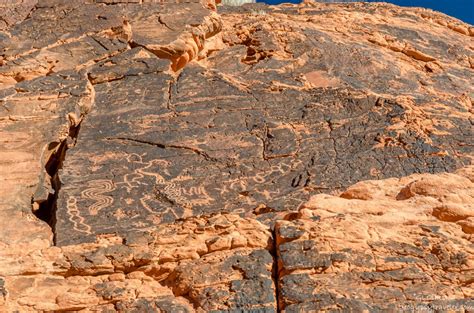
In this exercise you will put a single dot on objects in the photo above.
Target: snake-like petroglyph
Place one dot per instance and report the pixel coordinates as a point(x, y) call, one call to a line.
point(96, 191)
point(75, 217)
point(153, 172)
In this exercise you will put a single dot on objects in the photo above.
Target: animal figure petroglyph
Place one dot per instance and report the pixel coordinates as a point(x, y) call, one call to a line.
point(142, 169)
point(135, 179)
point(158, 178)
point(95, 192)
point(75, 217)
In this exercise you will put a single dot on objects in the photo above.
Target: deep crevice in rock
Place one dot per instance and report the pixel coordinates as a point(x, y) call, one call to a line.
point(46, 210)
point(197, 151)
point(276, 270)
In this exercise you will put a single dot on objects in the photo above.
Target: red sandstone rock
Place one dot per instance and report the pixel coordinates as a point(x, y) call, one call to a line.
point(159, 156)
point(375, 248)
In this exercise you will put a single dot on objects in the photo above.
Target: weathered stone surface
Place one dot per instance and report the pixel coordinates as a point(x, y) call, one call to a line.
point(162, 156)
point(217, 263)
point(396, 245)
point(288, 121)
point(14, 11)
point(74, 35)
point(39, 119)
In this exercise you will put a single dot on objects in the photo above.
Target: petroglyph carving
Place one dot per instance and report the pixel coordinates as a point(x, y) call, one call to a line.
point(199, 195)
point(75, 216)
point(144, 201)
point(187, 191)
point(96, 191)
point(136, 178)
point(159, 179)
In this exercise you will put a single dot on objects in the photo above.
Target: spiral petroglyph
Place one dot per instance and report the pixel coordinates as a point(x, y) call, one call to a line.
point(192, 156)
point(96, 191)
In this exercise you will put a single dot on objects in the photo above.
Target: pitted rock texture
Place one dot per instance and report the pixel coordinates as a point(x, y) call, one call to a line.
point(405, 243)
point(216, 263)
point(167, 156)
point(15, 11)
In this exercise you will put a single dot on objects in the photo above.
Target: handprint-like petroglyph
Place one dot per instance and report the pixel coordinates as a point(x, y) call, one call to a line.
point(75, 217)
point(96, 191)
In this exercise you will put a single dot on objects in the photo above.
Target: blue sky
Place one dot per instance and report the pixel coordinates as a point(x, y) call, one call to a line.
point(461, 9)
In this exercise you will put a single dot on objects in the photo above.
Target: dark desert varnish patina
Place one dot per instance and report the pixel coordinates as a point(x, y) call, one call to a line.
point(191, 138)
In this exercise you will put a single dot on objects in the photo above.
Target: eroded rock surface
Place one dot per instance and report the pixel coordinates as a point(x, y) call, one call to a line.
point(162, 156)
point(217, 263)
point(15, 11)
point(405, 243)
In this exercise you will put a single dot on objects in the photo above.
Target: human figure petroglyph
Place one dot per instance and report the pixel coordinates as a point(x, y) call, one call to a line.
point(75, 217)
point(95, 192)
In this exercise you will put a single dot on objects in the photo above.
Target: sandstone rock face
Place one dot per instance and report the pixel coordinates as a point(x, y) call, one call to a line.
point(167, 156)
point(15, 11)
point(400, 241)
point(212, 263)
